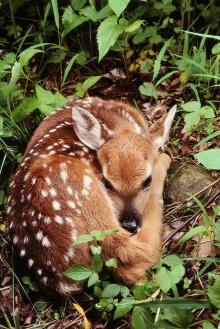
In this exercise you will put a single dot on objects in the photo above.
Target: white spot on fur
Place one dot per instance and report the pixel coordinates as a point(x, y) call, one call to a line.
point(30, 262)
point(56, 205)
point(58, 219)
point(23, 252)
point(71, 204)
point(69, 190)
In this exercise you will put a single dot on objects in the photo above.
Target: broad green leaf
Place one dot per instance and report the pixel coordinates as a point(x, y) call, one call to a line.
point(134, 26)
point(207, 325)
point(71, 20)
point(27, 106)
point(26, 279)
point(93, 279)
point(90, 82)
point(84, 238)
point(124, 307)
point(97, 291)
point(107, 34)
point(45, 96)
point(207, 112)
point(208, 138)
point(172, 260)
point(57, 57)
point(209, 158)
point(118, 6)
point(112, 290)
point(191, 120)
point(33, 286)
point(56, 13)
point(78, 272)
point(214, 291)
point(141, 318)
point(160, 57)
point(178, 318)
point(163, 279)
point(148, 89)
point(27, 54)
point(95, 15)
point(78, 4)
point(46, 109)
point(59, 100)
point(194, 231)
point(111, 262)
point(216, 49)
point(192, 106)
point(124, 291)
point(97, 263)
point(96, 250)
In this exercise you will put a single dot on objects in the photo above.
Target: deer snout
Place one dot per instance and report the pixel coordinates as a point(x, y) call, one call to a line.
point(130, 221)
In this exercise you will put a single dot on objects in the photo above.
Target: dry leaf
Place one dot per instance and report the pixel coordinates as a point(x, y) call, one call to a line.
point(87, 324)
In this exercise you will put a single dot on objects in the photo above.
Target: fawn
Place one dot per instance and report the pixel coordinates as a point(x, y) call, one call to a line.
point(93, 164)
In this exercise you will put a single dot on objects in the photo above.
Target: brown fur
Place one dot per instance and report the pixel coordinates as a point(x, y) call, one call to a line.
point(57, 193)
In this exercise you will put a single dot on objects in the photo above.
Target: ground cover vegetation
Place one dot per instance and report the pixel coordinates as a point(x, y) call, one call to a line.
point(152, 54)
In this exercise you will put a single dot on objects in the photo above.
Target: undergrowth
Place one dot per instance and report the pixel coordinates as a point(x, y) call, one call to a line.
point(152, 54)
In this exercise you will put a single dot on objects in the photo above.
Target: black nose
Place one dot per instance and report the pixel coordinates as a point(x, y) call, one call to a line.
point(130, 221)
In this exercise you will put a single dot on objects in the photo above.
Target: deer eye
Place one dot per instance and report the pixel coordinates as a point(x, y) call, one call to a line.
point(107, 184)
point(147, 182)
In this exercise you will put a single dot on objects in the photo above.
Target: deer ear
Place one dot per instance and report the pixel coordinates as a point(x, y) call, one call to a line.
point(87, 128)
point(159, 131)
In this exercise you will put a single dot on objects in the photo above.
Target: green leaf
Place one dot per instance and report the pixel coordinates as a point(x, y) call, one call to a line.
point(45, 96)
point(118, 6)
point(194, 231)
point(209, 137)
point(107, 34)
point(78, 272)
point(33, 286)
point(84, 238)
point(214, 291)
point(179, 303)
point(209, 158)
point(96, 250)
point(111, 262)
point(191, 106)
point(160, 57)
point(71, 20)
point(172, 260)
point(78, 4)
point(112, 290)
point(134, 26)
point(97, 291)
point(56, 13)
point(141, 318)
point(216, 49)
point(124, 291)
point(207, 325)
point(97, 263)
point(191, 119)
point(163, 279)
point(27, 54)
point(69, 66)
point(207, 112)
point(124, 307)
point(26, 279)
point(95, 15)
point(27, 106)
point(148, 89)
point(15, 75)
point(93, 279)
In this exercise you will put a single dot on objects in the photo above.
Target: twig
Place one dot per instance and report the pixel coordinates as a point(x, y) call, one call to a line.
point(191, 198)
point(191, 218)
